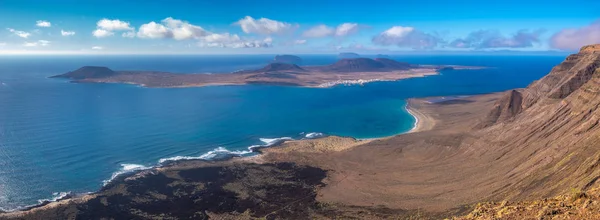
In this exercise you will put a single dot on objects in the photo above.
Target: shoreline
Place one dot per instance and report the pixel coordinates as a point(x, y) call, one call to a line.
point(283, 152)
point(422, 123)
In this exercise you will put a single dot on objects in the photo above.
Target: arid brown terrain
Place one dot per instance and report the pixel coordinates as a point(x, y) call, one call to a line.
point(345, 71)
point(519, 153)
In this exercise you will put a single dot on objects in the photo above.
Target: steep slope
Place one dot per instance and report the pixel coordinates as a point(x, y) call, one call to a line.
point(553, 126)
point(564, 79)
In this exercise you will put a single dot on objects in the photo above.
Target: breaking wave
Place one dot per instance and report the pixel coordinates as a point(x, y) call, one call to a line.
point(56, 196)
point(314, 135)
point(216, 154)
point(125, 168)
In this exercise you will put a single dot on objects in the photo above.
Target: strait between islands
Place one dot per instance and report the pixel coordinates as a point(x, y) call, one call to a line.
point(344, 71)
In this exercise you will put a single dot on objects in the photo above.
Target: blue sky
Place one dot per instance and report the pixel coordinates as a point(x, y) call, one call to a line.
point(308, 26)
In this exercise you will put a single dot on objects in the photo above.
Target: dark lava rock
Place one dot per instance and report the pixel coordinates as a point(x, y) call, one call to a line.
point(270, 191)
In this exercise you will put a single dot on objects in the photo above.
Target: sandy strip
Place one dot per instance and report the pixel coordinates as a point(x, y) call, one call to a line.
point(423, 122)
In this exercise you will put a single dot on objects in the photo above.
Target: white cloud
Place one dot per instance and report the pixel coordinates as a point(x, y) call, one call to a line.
point(106, 27)
point(263, 26)
point(341, 30)
point(41, 23)
point(346, 29)
point(182, 30)
point(153, 30)
point(129, 34)
point(2, 44)
point(319, 31)
point(67, 33)
point(299, 41)
point(484, 39)
point(406, 37)
point(113, 25)
point(42, 43)
point(100, 33)
point(574, 39)
point(97, 48)
point(21, 34)
point(398, 31)
point(171, 28)
point(233, 41)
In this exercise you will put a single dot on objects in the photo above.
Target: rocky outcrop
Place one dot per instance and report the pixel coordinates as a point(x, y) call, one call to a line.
point(505, 109)
point(590, 49)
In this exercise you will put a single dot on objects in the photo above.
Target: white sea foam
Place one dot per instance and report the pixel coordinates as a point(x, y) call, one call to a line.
point(272, 141)
point(55, 197)
point(126, 168)
point(313, 135)
point(221, 152)
point(213, 154)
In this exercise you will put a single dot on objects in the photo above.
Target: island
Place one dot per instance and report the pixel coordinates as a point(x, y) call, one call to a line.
point(345, 71)
point(289, 59)
point(348, 55)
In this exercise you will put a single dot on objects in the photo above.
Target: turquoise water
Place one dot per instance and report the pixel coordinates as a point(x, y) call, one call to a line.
point(57, 136)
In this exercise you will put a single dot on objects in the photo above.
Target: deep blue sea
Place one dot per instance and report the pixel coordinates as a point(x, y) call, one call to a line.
point(58, 137)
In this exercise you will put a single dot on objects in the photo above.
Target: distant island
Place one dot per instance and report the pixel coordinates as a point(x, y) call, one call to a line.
point(348, 55)
point(344, 71)
point(289, 59)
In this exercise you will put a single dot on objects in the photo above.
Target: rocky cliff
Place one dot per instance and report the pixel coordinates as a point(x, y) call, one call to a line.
point(553, 125)
point(565, 79)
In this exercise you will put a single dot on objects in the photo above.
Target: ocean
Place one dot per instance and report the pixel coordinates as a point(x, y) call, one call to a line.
point(58, 137)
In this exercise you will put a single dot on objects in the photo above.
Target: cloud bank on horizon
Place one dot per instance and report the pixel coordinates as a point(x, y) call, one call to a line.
point(387, 33)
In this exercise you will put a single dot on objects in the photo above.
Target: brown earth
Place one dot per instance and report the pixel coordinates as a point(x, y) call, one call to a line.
point(575, 205)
